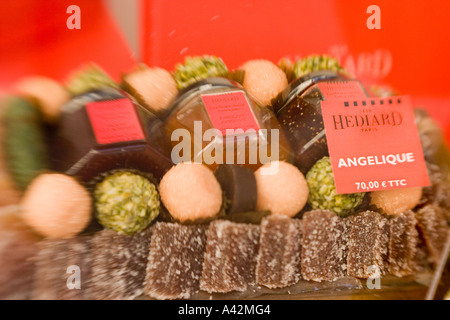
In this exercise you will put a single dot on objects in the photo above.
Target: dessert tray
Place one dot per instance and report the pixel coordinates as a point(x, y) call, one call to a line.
point(109, 189)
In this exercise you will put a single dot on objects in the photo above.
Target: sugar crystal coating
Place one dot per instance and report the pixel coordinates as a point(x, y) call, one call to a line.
point(18, 245)
point(62, 269)
point(368, 237)
point(433, 227)
point(56, 206)
point(439, 189)
point(153, 87)
point(126, 202)
point(396, 201)
point(403, 243)
point(324, 246)
point(119, 263)
point(263, 80)
point(230, 257)
point(239, 186)
point(279, 256)
point(175, 260)
point(190, 191)
point(283, 192)
point(322, 190)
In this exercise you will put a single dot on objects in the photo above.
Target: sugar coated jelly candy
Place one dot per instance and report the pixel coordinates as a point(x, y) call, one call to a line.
point(279, 259)
point(403, 243)
point(119, 264)
point(368, 238)
point(175, 260)
point(324, 246)
point(230, 257)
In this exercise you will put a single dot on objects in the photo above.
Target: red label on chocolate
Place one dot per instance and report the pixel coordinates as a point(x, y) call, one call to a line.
point(114, 121)
point(374, 144)
point(230, 111)
point(341, 90)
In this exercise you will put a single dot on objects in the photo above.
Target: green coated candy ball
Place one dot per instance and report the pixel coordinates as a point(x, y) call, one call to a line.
point(322, 190)
point(198, 68)
point(315, 63)
point(126, 202)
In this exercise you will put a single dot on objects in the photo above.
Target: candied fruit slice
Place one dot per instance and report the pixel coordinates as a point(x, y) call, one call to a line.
point(403, 243)
point(278, 263)
point(432, 225)
point(368, 238)
point(62, 269)
point(119, 264)
point(324, 246)
point(175, 260)
point(230, 257)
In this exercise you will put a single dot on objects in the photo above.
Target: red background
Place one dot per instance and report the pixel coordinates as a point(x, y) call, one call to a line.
point(414, 33)
point(34, 39)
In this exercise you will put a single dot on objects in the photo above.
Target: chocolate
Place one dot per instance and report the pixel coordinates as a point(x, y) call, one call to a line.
point(119, 264)
point(279, 256)
point(368, 238)
point(432, 225)
point(175, 260)
point(239, 185)
point(230, 257)
point(403, 243)
point(104, 130)
point(62, 269)
point(324, 246)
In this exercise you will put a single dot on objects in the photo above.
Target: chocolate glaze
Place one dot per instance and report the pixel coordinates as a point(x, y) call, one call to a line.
point(239, 185)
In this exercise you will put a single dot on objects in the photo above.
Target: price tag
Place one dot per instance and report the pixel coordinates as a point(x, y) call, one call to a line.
point(374, 144)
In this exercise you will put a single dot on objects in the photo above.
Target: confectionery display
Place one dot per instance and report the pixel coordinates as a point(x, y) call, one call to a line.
point(201, 182)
